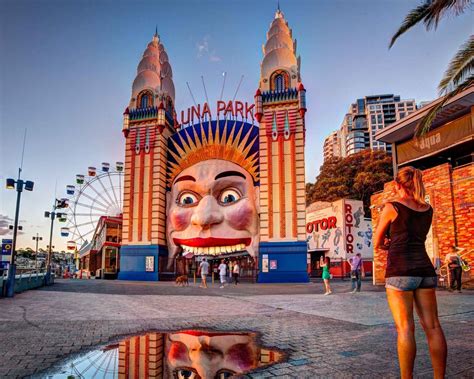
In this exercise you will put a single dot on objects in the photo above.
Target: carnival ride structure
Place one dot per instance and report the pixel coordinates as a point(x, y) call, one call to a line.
point(97, 194)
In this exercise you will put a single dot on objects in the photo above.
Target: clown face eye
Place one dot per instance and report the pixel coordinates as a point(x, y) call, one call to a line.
point(224, 374)
point(187, 199)
point(185, 373)
point(229, 196)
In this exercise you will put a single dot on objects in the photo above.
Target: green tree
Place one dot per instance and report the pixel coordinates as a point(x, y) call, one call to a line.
point(357, 176)
point(460, 72)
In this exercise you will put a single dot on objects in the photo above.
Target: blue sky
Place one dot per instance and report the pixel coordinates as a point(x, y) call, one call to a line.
point(67, 67)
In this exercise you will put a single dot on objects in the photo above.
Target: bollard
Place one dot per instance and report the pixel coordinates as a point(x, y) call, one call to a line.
point(194, 274)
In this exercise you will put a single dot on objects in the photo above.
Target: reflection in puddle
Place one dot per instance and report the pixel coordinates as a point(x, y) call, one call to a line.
point(186, 354)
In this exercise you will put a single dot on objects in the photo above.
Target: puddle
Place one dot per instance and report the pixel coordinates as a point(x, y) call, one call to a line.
point(188, 354)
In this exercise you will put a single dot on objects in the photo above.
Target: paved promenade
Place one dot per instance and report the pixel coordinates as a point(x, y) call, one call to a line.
point(339, 336)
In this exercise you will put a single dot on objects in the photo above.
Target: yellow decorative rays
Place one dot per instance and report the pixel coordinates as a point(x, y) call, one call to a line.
point(234, 141)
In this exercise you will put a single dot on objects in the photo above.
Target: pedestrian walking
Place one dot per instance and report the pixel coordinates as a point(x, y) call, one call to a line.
point(236, 273)
point(204, 271)
point(455, 270)
point(410, 276)
point(357, 271)
point(222, 273)
point(325, 263)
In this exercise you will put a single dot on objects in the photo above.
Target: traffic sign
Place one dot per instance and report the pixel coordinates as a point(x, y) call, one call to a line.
point(6, 246)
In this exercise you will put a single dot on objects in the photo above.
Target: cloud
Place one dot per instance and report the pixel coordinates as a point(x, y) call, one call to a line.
point(204, 51)
point(203, 47)
point(5, 221)
point(214, 58)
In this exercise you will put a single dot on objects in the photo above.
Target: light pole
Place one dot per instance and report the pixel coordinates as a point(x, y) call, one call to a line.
point(37, 238)
point(58, 203)
point(19, 185)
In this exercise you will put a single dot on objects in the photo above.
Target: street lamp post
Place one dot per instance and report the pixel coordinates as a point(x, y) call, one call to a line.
point(37, 239)
point(19, 185)
point(58, 203)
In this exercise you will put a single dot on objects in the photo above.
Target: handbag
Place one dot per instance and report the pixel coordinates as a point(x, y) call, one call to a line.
point(464, 265)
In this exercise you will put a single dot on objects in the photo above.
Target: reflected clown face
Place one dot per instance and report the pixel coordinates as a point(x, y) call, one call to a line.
point(212, 209)
point(207, 355)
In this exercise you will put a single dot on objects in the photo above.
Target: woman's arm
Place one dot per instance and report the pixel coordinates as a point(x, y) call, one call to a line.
point(388, 215)
point(321, 262)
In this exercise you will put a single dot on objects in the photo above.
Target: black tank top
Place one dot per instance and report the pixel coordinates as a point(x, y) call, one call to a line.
point(407, 253)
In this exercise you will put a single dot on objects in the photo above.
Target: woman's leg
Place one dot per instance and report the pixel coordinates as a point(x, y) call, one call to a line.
point(458, 272)
point(327, 285)
point(427, 309)
point(452, 278)
point(401, 305)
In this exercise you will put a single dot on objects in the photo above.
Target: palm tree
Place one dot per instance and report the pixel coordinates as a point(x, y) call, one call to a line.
point(460, 72)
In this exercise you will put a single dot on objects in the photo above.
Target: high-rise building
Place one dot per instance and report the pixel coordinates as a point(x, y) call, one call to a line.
point(332, 145)
point(383, 110)
point(365, 117)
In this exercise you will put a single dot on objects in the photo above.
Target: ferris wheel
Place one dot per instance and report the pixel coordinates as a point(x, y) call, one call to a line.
point(97, 363)
point(97, 194)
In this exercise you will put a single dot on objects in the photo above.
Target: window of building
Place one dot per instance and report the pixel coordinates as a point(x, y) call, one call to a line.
point(145, 99)
point(144, 102)
point(379, 118)
point(372, 119)
point(402, 114)
point(110, 260)
point(279, 81)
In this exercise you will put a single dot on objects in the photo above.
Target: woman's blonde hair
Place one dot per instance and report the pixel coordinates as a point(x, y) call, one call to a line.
point(411, 180)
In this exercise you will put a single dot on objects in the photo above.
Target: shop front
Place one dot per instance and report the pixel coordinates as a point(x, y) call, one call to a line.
point(338, 230)
point(246, 263)
point(102, 260)
point(314, 257)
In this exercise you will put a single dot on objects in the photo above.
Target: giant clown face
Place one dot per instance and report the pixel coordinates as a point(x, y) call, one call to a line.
point(212, 210)
point(194, 354)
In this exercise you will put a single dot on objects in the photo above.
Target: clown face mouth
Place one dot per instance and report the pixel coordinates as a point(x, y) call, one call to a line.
point(211, 246)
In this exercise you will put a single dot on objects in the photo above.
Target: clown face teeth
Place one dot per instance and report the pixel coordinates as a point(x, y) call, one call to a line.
point(213, 250)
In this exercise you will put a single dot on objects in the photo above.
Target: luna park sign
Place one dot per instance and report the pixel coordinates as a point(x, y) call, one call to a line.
point(222, 109)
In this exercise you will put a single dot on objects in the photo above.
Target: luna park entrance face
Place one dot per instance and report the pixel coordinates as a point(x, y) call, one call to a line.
point(247, 266)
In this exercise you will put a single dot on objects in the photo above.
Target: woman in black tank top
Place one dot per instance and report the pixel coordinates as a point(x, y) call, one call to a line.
point(410, 276)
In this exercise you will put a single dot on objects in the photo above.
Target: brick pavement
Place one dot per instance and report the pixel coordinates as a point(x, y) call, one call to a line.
point(340, 336)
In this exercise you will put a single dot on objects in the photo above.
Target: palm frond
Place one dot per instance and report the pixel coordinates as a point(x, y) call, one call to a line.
point(439, 8)
point(430, 12)
point(424, 125)
point(414, 17)
point(460, 68)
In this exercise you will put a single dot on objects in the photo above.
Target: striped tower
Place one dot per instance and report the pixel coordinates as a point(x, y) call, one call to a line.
point(148, 122)
point(280, 109)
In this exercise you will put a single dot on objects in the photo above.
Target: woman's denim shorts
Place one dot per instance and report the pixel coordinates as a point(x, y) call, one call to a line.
point(410, 283)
